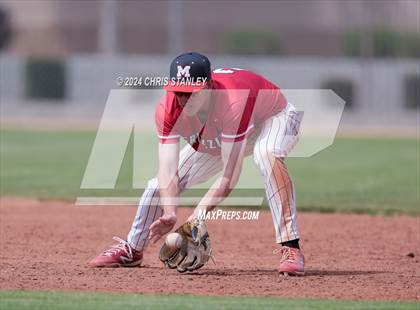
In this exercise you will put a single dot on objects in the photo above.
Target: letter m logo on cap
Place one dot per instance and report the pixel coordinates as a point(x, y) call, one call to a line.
point(183, 72)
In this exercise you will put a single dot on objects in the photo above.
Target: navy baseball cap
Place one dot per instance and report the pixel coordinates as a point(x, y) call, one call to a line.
point(189, 72)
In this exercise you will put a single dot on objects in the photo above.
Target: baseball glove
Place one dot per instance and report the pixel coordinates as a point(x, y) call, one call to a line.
point(195, 250)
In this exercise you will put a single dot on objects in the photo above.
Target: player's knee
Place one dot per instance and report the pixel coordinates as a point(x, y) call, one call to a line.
point(257, 154)
point(153, 183)
point(263, 153)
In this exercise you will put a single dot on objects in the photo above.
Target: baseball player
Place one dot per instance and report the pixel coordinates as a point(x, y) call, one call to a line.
point(224, 115)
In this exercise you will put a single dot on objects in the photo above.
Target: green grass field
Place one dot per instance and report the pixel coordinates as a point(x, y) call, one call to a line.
point(353, 175)
point(14, 300)
point(356, 175)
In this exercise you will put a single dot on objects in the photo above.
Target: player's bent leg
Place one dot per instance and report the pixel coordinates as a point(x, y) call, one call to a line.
point(148, 211)
point(280, 196)
point(276, 140)
point(281, 199)
point(194, 168)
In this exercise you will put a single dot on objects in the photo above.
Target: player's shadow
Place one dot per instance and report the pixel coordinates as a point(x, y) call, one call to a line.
point(315, 272)
point(228, 272)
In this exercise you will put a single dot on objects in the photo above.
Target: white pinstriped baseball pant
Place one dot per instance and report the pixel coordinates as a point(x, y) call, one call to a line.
point(278, 136)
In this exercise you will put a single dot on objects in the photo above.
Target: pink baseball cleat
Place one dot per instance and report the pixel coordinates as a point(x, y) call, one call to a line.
point(292, 262)
point(119, 255)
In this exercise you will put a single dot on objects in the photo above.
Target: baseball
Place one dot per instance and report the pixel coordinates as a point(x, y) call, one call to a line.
point(173, 240)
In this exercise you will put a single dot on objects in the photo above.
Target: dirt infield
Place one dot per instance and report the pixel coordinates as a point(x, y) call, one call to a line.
point(46, 245)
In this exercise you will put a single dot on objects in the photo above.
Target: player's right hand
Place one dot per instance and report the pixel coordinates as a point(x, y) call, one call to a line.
point(161, 227)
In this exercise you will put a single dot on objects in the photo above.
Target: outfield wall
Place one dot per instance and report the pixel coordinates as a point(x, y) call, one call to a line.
point(378, 98)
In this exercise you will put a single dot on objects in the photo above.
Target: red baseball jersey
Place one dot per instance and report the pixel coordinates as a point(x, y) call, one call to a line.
point(240, 102)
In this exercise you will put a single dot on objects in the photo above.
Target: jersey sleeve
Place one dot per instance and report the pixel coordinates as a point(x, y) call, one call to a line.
point(238, 121)
point(165, 122)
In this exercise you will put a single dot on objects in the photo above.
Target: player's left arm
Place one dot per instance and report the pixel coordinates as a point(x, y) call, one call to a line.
point(232, 154)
